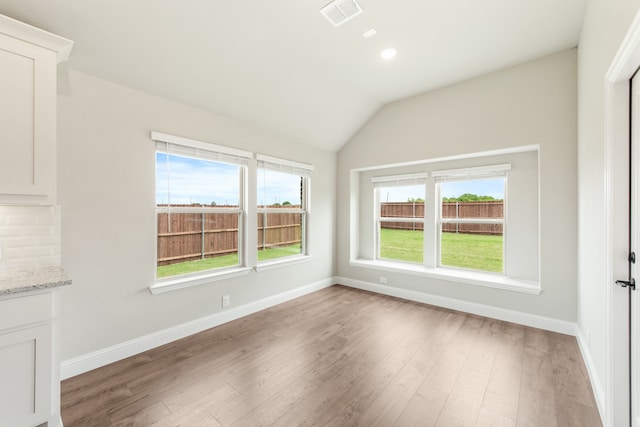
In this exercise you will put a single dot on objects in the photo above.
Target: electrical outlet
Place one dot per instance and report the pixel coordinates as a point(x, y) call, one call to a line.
point(383, 280)
point(226, 300)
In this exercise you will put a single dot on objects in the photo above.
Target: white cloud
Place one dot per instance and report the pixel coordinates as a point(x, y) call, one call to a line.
point(195, 181)
point(278, 187)
point(184, 180)
point(401, 193)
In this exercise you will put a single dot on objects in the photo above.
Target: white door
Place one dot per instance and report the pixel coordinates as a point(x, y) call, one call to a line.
point(634, 302)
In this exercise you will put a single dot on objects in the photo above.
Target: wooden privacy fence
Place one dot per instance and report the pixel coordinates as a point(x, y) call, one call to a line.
point(192, 236)
point(282, 229)
point(197, 235)
point(461, 210)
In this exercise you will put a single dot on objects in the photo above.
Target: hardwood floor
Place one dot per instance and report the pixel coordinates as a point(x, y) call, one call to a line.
point(344, 357)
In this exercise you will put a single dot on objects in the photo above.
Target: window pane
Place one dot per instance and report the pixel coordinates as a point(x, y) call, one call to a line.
point(185, 181)
point(196, 241)
point(191, 242)
point(279, 189)
point(402, 240)
point(279, 235)
point(474, 245)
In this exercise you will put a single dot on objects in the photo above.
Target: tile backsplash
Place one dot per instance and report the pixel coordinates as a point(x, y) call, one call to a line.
point(29, 236)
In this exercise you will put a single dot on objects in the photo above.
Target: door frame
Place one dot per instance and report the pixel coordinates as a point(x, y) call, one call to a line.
point(634, 297)
point(617, 137)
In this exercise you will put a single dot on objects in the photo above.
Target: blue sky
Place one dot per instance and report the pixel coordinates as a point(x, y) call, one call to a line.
point(278, 187)
point(195, 181)
point(201, 181)
point(482, 187)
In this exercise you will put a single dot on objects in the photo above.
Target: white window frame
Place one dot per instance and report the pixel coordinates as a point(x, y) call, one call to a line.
point(211, 152)
point(297, 169)
point(471, 174)
point(430, 267)
point(396, 181)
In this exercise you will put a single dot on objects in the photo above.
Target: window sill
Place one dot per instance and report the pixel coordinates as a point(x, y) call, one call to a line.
point(454, 275)
point(281, 262)
point(195, 279)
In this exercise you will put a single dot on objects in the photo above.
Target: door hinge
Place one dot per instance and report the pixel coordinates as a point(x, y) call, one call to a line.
point(632, 258)
point(627, 284)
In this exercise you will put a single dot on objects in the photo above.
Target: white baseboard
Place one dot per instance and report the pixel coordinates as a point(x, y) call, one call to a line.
point(596, 384)
point(526, 319)
point(87, 362)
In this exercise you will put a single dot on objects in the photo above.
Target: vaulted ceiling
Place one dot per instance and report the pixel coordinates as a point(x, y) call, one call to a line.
point(282, 66)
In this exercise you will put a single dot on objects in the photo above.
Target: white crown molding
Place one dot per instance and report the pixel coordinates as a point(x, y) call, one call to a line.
point(36, 36)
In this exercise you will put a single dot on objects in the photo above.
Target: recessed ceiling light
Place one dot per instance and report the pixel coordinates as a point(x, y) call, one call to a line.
point(388, 54)
point(370, 33)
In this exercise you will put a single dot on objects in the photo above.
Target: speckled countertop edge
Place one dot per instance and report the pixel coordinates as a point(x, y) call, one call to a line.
point(32, 279)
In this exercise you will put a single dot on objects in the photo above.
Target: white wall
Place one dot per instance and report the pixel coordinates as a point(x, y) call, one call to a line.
point(605, 25)
point(534, 103)
point(107, 189)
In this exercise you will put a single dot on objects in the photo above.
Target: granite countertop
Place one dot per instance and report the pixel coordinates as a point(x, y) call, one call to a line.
point(32, 279)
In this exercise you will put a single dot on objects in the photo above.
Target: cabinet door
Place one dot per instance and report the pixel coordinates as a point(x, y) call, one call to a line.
point(27, 118)
point(26, 376)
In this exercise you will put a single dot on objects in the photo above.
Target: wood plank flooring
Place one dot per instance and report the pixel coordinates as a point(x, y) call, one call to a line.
point(344, 357)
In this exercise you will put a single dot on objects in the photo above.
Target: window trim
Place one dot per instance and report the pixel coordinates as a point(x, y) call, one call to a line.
point(304, 171)
point(457, 275)
point(212, 153)
point(396, 181)
point(285, 165)
point(437, 178)
point(485, 279)
point(200, 145)
point(182, 281)
point(248, 169)
point(279, 262)
point(471, 174)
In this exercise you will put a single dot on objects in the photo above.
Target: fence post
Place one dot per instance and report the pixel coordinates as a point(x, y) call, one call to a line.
point(414, 215)
point(457, 216)
point(202, 243)
point(264, 230)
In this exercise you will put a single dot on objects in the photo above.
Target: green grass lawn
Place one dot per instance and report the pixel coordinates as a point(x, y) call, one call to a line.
point(401, 245)
point(223, 261)
point(476, 252)
point(197, 265)
point(281, 251)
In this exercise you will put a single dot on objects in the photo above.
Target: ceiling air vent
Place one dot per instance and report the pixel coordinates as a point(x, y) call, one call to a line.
point(340, 11)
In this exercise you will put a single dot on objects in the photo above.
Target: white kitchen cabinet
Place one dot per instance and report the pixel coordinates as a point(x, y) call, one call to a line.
point(26, 375)
point(30, 347)
point(28, 79)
